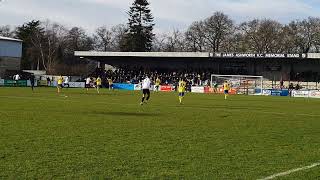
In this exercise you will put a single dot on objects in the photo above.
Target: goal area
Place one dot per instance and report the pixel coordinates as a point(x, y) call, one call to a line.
point(239, 84)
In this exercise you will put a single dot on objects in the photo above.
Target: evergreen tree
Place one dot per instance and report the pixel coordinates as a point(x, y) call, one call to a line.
point(139, 35)
point(28, 32)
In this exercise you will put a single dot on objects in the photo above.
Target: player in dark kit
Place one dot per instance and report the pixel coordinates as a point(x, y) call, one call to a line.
point(32, 80)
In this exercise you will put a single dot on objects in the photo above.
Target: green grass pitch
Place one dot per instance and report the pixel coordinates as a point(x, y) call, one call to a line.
point(89, 136)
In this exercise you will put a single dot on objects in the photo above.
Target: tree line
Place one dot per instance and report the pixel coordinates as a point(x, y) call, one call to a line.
point(219, 33)
point(50, 46)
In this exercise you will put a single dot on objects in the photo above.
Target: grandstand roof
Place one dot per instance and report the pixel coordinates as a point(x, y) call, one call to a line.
point(140, 54)
point(192, 55)
point(10, 39)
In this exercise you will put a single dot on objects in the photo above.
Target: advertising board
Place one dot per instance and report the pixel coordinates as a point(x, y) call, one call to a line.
point(166, 88)
point(197, 89)
point(77, 84)
point(123, 86)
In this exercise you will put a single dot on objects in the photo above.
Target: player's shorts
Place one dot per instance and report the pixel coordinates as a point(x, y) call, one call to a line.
point(181, 94)
point(87, 86)
point(60, 86)
point(146, 91)
point(226, 91)
point(111, 86)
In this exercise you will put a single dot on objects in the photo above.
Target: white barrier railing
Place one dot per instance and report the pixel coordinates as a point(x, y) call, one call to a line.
point(306, 93)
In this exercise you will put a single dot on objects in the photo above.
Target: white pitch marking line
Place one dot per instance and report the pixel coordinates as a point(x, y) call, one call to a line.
point(291, 171)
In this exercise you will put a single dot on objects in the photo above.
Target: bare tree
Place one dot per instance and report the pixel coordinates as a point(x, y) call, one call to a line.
point(217, 28)
point(47, 41)
point(159, 43)
point(38, 47)
point(262, 36)
point(118, 36)
point(55, 36)
point(234, 43)
point(195, 37)
point(103, 38)
point(308, 34)
point(289, 39)
point(78, 40)
point(315, 26)
point(6, 31)
point(175, 42)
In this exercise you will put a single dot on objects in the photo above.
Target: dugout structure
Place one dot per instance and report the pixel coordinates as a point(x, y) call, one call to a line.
point(241, 84)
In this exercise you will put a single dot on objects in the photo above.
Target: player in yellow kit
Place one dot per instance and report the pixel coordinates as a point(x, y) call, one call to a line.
point(110, 84)
point(157, 85)
point(98, 83)
point(226, 88)
point(60, 81)
point(182, 90)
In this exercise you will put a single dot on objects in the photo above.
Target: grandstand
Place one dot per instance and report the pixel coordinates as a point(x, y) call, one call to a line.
point(275, 67)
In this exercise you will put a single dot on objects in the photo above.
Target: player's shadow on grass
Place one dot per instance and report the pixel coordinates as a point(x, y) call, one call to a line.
point(133, 114)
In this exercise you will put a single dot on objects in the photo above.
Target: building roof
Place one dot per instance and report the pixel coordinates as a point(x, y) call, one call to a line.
point(141, 54)
point(192, 55)
point(9, 39)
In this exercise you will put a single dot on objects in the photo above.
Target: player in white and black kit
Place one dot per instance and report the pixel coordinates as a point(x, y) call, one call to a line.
point(66, 82)
point(88, 83)
point(146, 85)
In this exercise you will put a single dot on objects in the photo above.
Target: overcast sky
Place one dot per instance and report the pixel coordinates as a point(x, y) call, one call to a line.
point(169, 14)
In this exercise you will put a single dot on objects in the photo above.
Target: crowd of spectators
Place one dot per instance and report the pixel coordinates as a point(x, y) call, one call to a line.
point(167, 77)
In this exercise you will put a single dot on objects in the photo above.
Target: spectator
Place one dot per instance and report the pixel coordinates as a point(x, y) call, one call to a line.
point(48, 81)
point(16, 78)
point(135, 75)
point(291, 88)
point(281, 84)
